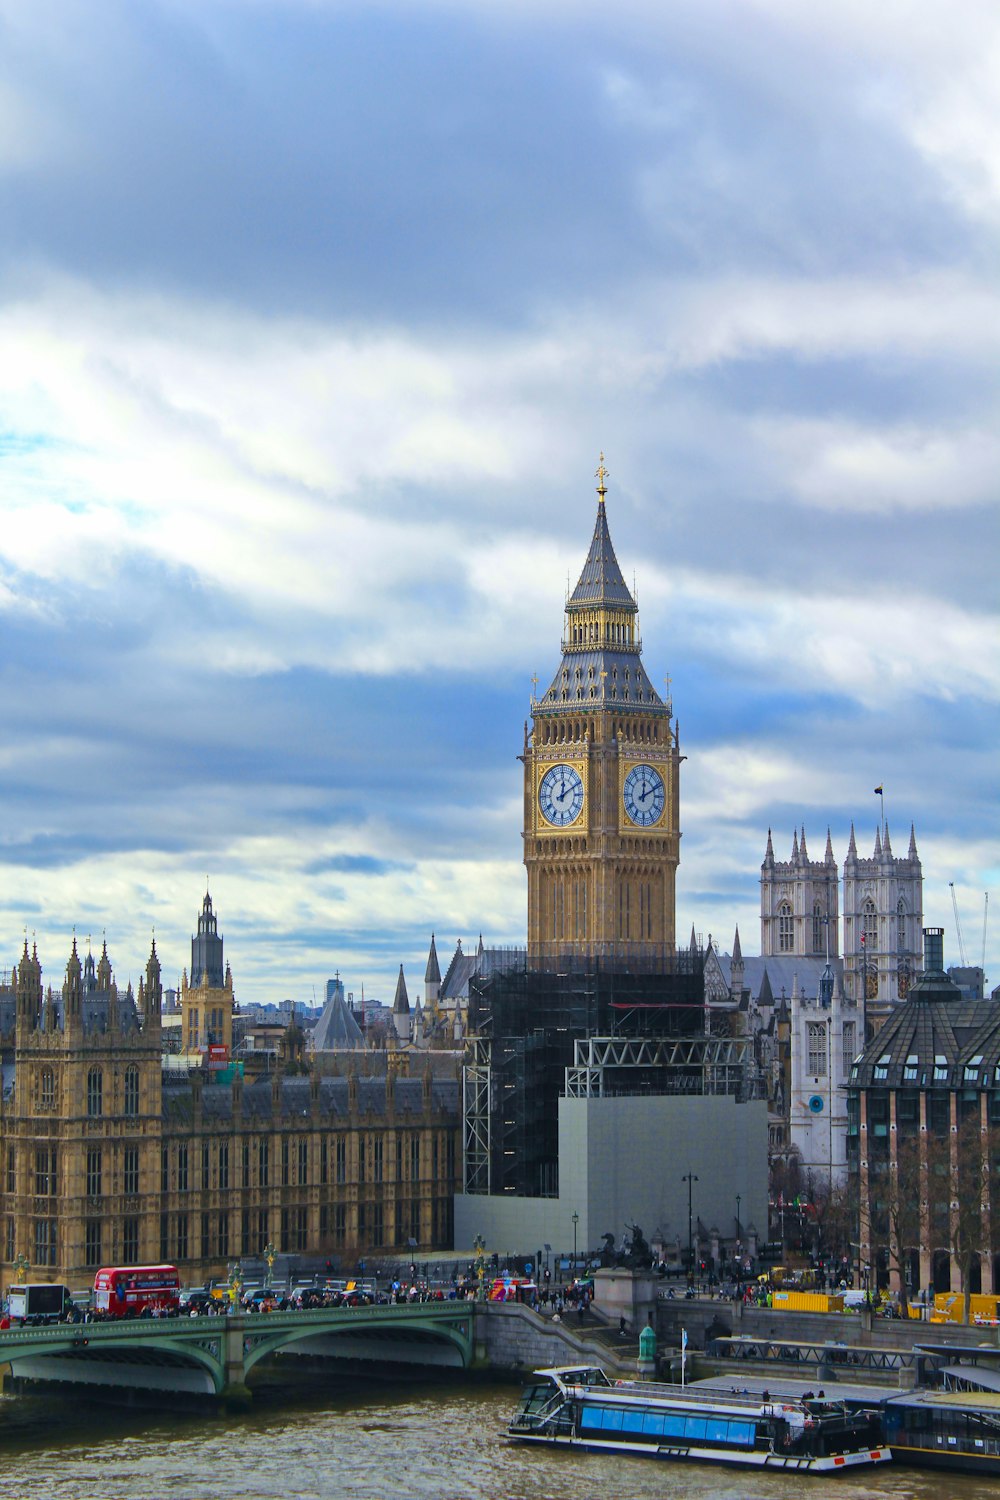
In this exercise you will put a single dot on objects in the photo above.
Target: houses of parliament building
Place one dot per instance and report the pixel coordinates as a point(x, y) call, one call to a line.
point(109, 1157)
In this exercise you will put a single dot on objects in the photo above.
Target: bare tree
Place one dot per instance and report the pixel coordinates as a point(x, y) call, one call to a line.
point(835, 1205)
point(970, 1181)
point(900, 1183)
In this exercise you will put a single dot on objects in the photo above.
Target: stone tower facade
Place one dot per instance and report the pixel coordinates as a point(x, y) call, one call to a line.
point(826, 1035)
point(82, 1129)
point(883, 924)
point(798, 902)
point(107, 1159)
point(601, 783)
point(207, 1002)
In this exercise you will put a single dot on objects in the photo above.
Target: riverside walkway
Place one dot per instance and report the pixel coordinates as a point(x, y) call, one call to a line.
point(213, 1356)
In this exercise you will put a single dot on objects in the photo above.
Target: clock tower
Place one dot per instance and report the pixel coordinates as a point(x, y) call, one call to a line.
point(601, 773)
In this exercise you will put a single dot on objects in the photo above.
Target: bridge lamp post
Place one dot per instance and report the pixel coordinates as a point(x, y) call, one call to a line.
point(690, 1178)
point(21, 1267)
point(576, 1220)
point(270, 1255)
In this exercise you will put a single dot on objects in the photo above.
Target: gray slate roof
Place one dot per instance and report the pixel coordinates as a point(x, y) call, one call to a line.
point(943, 1032)
point(337, 1030)
point(601, 581)
point(781, 970)
point(295, 1097)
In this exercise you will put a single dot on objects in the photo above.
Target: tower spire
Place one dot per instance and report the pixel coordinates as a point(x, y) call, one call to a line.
point(601, 474)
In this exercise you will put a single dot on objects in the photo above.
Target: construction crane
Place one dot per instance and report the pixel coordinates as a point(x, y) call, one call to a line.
point(986, 913)
point(958, 926)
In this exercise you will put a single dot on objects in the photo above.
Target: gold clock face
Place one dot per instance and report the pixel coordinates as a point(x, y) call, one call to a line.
point(643, 793)
point(560, 796)
point(644, 796)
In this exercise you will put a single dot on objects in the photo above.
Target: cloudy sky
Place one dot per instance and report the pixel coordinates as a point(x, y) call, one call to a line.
point(314, 317)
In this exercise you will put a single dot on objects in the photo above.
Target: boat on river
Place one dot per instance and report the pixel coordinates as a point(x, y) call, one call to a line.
point(579, 1407)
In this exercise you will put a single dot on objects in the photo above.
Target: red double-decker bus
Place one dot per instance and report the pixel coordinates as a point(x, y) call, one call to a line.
point(126, 1291)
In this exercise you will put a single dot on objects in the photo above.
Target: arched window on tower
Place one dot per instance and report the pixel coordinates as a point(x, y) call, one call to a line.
point(900, 925)
point(786, 928)
point(131, 1092)
point(95, 1093)
point(869, 925)
point(818, 944)
point(48, 1089)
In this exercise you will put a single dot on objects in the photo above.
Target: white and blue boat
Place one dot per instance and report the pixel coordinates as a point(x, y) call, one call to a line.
point(579, 1407)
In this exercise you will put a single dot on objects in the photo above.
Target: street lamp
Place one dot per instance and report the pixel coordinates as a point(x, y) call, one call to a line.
point(690, 1179)
point(738, 1201)
point(576, 1220)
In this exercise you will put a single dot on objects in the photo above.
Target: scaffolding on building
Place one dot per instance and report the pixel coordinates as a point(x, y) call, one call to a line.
point(525, 1024)
point(606, 1066)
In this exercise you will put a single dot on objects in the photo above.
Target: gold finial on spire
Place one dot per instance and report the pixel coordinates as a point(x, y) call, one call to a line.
point(601, 474)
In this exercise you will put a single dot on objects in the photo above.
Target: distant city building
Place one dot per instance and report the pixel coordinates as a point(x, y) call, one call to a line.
point(971, 980)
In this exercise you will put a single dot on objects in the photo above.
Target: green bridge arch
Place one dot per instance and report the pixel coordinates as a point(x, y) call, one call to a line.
point(213, 1355)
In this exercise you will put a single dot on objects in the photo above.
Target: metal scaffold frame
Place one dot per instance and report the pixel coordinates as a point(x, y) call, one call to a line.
point(697, 1065)
point(476, 1083)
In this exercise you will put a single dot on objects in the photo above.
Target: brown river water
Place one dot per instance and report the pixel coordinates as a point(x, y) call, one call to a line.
point(365, 1442)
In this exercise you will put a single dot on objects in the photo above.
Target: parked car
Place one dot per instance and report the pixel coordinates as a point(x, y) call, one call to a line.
point(197, 1301)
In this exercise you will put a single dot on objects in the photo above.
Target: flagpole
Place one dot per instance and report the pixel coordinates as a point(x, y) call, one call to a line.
point(881, 803)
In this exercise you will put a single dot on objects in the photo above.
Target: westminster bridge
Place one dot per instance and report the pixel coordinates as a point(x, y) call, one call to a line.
point(213, 1356)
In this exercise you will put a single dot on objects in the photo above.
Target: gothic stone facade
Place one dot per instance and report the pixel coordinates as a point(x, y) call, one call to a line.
point(601, 783)
point(107, 1161)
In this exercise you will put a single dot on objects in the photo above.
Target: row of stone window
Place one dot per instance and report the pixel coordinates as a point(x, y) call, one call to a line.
point(294, 1162)
point(216, 1241)
point(45, 1091)
point(869, 927)
point(294, 1159)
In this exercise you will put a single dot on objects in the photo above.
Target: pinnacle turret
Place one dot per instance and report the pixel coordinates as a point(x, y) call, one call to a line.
point(401, 1003)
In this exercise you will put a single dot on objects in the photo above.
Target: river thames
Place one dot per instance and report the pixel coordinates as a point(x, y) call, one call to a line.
point(365, 1442)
